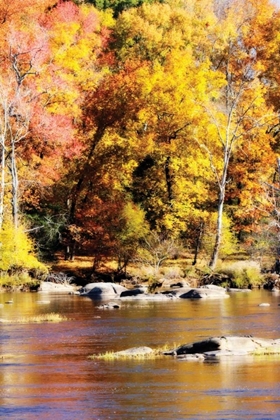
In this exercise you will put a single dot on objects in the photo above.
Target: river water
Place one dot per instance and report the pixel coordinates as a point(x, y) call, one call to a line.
point(45, 371)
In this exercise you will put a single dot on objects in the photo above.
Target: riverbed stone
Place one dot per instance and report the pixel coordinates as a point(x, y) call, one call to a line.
point(102, 290)
point(204, 292)
point(150, 297)
point(176, 292)
point(109, 305)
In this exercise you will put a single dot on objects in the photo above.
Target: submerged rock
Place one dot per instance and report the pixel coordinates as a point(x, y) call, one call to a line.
point(110, 305)
point(235, 290)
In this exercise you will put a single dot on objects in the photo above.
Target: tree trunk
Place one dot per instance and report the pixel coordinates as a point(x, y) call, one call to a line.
point(14, 186)
point(198, 242)
point(219, 228)
point(84, 172)
point(2, 186)
point(168, 179)
point(221, 201)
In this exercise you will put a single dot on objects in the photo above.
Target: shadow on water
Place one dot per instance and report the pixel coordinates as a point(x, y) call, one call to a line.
point(46, 373)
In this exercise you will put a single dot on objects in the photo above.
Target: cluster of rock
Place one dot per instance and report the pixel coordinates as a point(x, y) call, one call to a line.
point(115, 291)
point(213, 348)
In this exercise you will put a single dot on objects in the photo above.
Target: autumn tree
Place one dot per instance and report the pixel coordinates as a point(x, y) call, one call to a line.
point(168, 123)
point(266, 40)
point(117, 6)
point(172, 177)
point(103, 173)
point(44, 49)
point(22, 55)
point(163, 114)
point(239, 118)
point(75, 39)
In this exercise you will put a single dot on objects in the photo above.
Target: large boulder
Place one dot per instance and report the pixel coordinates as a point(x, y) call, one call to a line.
point(228, 346)
point(102, 290)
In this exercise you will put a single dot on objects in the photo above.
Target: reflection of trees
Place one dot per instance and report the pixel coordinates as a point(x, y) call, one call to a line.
point(50, 368)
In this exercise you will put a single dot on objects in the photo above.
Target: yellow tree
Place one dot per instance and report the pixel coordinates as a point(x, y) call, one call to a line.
point(172, 179)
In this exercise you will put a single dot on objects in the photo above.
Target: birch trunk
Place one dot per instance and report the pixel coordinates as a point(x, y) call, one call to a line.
point(14, 186)
point(2, 185)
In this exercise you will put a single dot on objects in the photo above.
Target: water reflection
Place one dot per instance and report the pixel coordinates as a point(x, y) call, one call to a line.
point(45, 371)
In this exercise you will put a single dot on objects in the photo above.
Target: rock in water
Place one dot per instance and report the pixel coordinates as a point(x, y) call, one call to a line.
point(102, 290)
point(229, 346)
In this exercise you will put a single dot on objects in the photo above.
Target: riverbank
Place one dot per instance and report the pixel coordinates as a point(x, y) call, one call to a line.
point(239, 274)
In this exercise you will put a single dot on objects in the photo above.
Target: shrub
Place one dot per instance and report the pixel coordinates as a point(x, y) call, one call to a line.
point(17, 251)
point(172, 272)
point(16, 280)
point(243, 274)
point(154, 250)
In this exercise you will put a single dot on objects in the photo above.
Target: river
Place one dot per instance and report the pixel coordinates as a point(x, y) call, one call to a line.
point(45, 371)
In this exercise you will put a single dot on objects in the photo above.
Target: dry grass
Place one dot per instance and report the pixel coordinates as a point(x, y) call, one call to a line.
point(110, 355)
point(51, 317)
point(79, 263)
point(155, 354)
